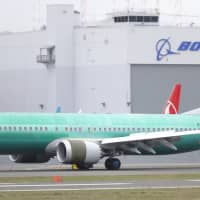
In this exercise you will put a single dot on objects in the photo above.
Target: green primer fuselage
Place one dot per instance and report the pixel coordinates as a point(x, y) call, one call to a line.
point(31, 133)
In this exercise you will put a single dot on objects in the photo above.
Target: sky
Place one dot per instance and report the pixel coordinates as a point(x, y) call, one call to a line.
point(23, 15)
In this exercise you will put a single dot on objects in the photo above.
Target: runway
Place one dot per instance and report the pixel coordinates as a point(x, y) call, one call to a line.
point(9, 169)
point(159, 184)
point(131, 165)
point(36, 170)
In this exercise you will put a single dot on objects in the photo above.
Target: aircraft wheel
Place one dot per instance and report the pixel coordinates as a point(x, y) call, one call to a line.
point(112, 164)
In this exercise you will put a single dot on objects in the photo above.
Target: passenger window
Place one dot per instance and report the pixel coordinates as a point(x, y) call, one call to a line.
point(66, 129)
point(46, 129)
point(30, 128)
point(10, 128)
point(80, 129)
point(25, 128)
point(41, 129)
point(36, 128)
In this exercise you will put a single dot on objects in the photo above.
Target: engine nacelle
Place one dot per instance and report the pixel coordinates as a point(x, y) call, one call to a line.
point(29, 158)
point(78, 151)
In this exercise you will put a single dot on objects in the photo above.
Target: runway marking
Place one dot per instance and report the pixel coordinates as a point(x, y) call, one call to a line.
point(194, 180)
point(95, 189)
point(65, 184)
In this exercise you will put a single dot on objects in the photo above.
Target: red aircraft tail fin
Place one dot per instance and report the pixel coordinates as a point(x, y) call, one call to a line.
point(172, 105)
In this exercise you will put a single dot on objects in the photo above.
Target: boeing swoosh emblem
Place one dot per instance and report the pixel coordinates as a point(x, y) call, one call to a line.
point(163, 49)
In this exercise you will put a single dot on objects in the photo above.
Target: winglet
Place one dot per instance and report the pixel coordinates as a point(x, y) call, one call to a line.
point(172, 105)
point(58, 109)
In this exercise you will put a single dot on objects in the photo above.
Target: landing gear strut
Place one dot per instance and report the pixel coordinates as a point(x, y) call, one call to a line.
point(112, 164)
point(84, 166)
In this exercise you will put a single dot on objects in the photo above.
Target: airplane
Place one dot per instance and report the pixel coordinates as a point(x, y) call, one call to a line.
point(84, 139)
point(171, 107)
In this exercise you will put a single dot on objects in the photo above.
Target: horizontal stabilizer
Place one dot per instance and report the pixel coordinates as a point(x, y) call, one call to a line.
point(192, 112)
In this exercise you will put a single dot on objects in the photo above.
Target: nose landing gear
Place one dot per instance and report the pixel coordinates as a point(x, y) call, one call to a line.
point(112, 164)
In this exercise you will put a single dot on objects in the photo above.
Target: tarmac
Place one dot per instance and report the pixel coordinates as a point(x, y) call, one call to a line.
point(35, 170)
point(129, 167)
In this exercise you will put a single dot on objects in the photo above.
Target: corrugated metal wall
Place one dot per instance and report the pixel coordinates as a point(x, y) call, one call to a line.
point(151, 85)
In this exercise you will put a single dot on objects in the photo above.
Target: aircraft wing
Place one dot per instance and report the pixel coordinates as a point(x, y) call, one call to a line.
point(146, 141)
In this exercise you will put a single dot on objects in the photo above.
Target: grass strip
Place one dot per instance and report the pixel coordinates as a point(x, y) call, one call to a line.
point(150, 194)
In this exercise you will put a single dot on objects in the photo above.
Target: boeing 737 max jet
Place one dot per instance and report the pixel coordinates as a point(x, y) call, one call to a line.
point(84, 139)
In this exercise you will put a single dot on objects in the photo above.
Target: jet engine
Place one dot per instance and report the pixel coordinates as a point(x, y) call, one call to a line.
point(78, 151)
point(29, 158)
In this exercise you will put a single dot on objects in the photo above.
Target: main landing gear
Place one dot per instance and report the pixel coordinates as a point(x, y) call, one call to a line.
point(112, 164)
point(84, 166)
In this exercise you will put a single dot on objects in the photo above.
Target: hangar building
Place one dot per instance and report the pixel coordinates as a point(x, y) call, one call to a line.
point(126, 63)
